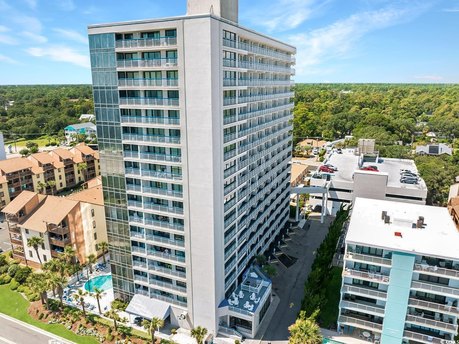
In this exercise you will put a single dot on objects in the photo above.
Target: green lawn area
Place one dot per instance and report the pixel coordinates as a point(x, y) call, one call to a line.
point(14, 305)
point(329, 313)
point(41, 142)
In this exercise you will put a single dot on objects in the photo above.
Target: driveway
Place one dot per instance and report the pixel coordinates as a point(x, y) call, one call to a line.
point(4, 235)
point(288, 284)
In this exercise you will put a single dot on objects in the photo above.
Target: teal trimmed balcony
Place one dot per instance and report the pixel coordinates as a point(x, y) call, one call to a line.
point(146, 42)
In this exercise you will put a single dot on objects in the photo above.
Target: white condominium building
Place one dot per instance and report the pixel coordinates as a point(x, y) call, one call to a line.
point(401, 274)
point(193, 120)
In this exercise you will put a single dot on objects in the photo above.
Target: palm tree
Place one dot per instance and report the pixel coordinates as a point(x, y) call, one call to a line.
point(60, 281)
point(152, 326)
point(98, 294)
point(83, 167)
point(41, 186)
point(92, 259)
point(113, 314)
point(35, 242)
point(103, 246)
point(199, 333)
point(51, 184)
point(79, 298)
point(39, 284)
point(68, 258)
point(55, 265)
point(51, 282)
point(305, 330)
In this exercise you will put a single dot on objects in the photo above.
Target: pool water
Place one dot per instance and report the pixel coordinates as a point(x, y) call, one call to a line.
point(101, 282)
point(330, 341)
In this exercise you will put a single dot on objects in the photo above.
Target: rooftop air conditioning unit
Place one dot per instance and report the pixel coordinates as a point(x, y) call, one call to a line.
point(383, 215)
point(387, 219)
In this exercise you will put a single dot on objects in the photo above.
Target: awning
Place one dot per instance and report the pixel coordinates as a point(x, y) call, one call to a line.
point(147, 308)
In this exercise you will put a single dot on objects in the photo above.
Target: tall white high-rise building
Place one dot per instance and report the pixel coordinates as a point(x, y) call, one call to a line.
point(193, 119)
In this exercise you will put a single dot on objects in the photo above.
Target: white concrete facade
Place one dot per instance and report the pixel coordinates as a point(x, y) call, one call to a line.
point(208, 188)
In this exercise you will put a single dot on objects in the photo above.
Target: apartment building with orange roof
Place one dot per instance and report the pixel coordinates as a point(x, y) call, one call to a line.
point(47, 172)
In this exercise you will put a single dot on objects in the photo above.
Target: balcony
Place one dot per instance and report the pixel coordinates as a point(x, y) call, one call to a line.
point(161, 208)
point(363, 308)
point(16, 239)
point(146, 42)
point(59, 242)
point(149, 101)
point(163, 224)
point(159, 191)
point(437, 271)
point(370, 276)
point(167, 285)
point(144, 63)
point(150, 120)
point(366, 292)
point(141, 82)
point(435, 289)
point(56, 253)
point(156, 268)
point(364, 258)
point(421, 338)
point(363, 324)
point(434, 324)
point(167, 256)
point(153, 174)
point(433, 306)
point(58, 229)
point(12, 219)
point(165, 240)
point(140, 278)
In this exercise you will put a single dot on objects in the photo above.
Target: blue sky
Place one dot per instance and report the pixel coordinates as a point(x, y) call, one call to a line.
point(406, 41)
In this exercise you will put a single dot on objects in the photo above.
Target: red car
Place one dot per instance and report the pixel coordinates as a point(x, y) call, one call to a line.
point(370, 168)
point(326, 169)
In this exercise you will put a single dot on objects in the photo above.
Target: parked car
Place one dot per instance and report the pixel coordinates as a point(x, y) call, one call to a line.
point(409, 174)
point(370, 168)
point(409, 180)
point(315, 151)
point(326, 169)
point(339, 151)
point(138, 321)
point(332, 167)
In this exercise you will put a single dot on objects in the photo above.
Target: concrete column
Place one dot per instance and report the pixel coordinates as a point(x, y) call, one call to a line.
point(323, 211)
point(297, 213)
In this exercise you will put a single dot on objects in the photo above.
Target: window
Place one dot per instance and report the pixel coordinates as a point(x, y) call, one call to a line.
point(60, 177)
point(93, 224)
point(153, 34)
point(43, 246)
point(92, 213)
point(45, 259)
point(171, 33)
point(229, 35)
point(95, 236)
point(27, 231)
point(434, 279)
point(30, 254)
point(61, 184)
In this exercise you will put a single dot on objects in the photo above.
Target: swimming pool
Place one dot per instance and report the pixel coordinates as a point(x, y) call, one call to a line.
point(330, 341)
point(101, 282)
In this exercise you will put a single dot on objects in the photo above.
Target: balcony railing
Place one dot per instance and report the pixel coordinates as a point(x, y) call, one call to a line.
point(146, 42)
point(166, 256)
point(144, 63)
point(150, 120)
point(439, 325)
point(368, 259)
point(436, 270)
point(171, 272)
point(354, 290)
point(368, 325)
point(418, 337)
point(60, 242)
point(141, 82)
point(163, 240)
point(154, 174)
point(379, 311)
point(149, 101)
point(167, 285)
point(151, 138)
point(159, 191)
point(366, 275)
point(57, 229)
point(435, 289)
point(432, 306)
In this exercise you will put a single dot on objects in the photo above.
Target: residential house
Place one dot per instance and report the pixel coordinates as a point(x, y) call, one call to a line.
point(71, 131)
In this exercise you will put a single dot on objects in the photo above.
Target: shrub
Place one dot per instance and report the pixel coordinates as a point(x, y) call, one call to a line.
point(14, 284)
point(40, 316)
point(119, 305)
point(6, 279)
point(3, 269)
point(22, 274)
point(13, 269)
point(3, 261)
point(109, 337)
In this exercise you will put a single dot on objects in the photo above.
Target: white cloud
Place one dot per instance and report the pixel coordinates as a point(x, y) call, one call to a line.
point(7, 59)
point(451, 10)
point(432, 78)
point(28, 23)
point(5, 36)
point(283, 15)
point(35, 37)
point(338, 40)
point(72, 35)
point(31, 3)
point(61, 54)
point(66, 5)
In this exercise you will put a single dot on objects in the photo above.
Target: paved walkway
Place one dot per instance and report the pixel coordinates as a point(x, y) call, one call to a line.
point(289, 283)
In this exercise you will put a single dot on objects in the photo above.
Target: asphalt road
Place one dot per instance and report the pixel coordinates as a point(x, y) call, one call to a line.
point(4, 236)
point(14, 333)
point(289, 282)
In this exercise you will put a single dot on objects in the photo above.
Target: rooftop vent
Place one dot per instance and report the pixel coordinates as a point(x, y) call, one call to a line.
point(398, 234)
point(420, 222)
point(383, 215)
point(387, 219)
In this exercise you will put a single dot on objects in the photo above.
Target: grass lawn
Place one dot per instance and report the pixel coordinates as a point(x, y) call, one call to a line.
point(329, 313)
point(14, 305)
point(41, 142)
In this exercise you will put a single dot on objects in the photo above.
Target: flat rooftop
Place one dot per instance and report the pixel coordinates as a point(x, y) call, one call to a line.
point(347, 163)
point(438, 237)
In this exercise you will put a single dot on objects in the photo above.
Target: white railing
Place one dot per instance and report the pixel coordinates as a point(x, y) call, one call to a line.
point(368, 258)
point(436, 270)
point(435, 288)
point(441, 308)
point(364, 291)
point(418, 337)
point(439, 325)
point(366, 275)
point(362, 307)
point(343, 319)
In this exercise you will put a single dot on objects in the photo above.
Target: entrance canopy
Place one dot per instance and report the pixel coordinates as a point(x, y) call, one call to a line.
point(147, 308)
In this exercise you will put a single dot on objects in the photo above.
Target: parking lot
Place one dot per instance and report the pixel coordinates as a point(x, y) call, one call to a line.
point(4, 236)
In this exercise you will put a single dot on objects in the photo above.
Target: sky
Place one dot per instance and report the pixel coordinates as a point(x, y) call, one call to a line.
point(381, 41)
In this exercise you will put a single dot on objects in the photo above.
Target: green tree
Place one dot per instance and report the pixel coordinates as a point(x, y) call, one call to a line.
point(103, 246)
point(60, 282)
point(199, 333)
point(35, 243)
point(51, 184)
point(91, 260)
point(83, 168)
point(305, 330)
point(113, 315)
point(41, 186)
point(79, 298)
point(152, 326)
point(98, 294)
point(38, 283)
point(24, 152)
